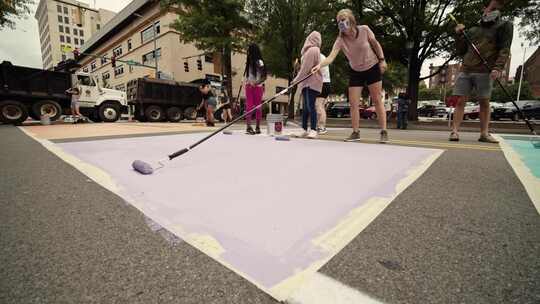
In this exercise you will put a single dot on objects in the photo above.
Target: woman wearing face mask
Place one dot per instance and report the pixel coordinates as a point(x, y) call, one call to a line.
point(367, 64)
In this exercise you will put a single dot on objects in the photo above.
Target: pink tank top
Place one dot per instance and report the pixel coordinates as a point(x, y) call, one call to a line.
point(357, 49)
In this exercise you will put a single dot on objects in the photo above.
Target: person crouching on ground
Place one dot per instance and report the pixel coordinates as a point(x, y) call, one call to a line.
point(311, 88)
point(209, 102)
point(75, 96)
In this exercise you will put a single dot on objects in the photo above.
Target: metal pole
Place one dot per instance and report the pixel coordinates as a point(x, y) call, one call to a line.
point(522, 68)
point(155, 48)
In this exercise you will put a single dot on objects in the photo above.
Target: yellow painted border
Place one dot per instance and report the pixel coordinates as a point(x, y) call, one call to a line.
point(529, 181)
point(333, 241)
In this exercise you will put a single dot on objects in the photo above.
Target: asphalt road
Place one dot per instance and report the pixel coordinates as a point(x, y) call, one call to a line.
point(465, 232)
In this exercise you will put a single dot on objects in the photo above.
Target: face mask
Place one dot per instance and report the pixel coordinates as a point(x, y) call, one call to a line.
point(343, 25)
point(491, 16)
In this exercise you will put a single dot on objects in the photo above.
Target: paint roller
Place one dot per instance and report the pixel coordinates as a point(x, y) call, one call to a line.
point(147, 168)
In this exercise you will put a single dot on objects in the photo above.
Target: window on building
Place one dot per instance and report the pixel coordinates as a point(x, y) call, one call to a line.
point(208, 58)
point(66, 20)
point(82, 41)
point(150, 56)
point(117, 51)
point(98, 26)
point(75, 40)
point(81, 33)
point(119, 70)
point(104, 59)
point(62, 39)
point(60, 19)
point(59, 8)
point(93, 66)
point(75, 32)
point(85, 69)
point(129, 45)
point(66, 11)
point(63, 57)
point(66, 29)
point(60, 29)
point(68, 39)
point(106, 75)
point(148, 33)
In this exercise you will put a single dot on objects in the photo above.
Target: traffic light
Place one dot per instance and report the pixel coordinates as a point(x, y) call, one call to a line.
point(199, 64)
point(442, 78)
point(186, 67)
point(113, 60)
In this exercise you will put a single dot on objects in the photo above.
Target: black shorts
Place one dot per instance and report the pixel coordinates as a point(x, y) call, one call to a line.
point(326, 90)
point(364, 78)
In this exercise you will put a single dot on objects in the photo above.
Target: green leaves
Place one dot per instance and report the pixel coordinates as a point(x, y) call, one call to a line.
point(13, 9)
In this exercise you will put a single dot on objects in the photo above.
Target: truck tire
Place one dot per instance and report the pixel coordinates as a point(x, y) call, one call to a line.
point(174, 114)
point(13, 112)
point(190, 113)
point(154, 114)
point(46, 107)
point(109, 112)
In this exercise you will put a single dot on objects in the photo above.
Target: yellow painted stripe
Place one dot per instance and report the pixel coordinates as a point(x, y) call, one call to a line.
point(423, 143)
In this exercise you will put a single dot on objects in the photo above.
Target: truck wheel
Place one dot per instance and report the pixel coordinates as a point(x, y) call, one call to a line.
point(13, 112)
point(154, 114)
point(190, 113)
point(109, 112)
point(46, 107)
point(174, 114)
point(94, 116)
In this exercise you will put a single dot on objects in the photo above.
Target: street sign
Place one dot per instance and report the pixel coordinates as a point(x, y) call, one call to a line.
point(66, 49)
point(132, 62)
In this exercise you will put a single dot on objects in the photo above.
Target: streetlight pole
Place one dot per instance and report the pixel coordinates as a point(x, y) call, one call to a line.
point(522, 68)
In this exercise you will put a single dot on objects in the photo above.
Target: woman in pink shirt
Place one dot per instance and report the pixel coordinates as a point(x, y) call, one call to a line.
point(367, 64)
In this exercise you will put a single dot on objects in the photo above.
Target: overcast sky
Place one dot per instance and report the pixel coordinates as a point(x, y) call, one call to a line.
point(21, 46)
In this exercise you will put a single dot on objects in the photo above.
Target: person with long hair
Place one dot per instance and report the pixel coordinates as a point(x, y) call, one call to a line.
point(311, 88)
point(254, 77)
point(367, 64)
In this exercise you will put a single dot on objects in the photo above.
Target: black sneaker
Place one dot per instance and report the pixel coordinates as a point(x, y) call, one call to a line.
point(257, 130)
point(384, 137)
point(250, 131)
point(355, 136)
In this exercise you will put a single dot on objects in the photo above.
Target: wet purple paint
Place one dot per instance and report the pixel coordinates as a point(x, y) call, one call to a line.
point(263, 201)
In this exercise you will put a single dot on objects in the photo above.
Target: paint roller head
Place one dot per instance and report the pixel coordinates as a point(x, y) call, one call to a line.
point(283, 138)
point(227, 132)
point(142, 167)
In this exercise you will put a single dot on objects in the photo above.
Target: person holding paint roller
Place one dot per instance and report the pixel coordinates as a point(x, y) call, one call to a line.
point(493, 38)
point(312, 87)
point(254, 78)
point(367, 64)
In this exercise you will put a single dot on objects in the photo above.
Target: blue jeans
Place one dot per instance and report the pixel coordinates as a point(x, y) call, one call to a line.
point(402, 120)
point(309, 108)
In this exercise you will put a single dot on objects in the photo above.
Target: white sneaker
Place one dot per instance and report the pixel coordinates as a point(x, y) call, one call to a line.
point(301, 134)
point(312, 134)
point(322, 131)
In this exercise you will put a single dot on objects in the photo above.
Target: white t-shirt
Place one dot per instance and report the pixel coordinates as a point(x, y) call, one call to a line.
point(325, 71)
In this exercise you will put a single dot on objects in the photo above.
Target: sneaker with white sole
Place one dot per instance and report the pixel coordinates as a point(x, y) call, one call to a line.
point(322, 131)
point(312, 134)
point(301, 134)
point(355, 136)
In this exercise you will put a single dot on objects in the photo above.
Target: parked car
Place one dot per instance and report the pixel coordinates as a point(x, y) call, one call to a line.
point(369, 113)
point(531, 109)
point(472, 111)
point(339, 110)
point(429, 110)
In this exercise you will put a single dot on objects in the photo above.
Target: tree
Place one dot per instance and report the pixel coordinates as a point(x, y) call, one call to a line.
point(13, 9)
point(530, 22)
point(425, 24)
point(526, 93)
point(281, 27)
point(213, 26)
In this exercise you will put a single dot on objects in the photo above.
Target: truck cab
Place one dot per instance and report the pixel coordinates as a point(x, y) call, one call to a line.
point(96, 102)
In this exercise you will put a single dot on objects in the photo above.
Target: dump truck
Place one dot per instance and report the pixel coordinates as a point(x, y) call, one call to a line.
point(34, 92)
point(156, 100)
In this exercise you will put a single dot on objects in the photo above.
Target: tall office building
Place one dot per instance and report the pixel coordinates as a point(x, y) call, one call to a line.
point(66, 23)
